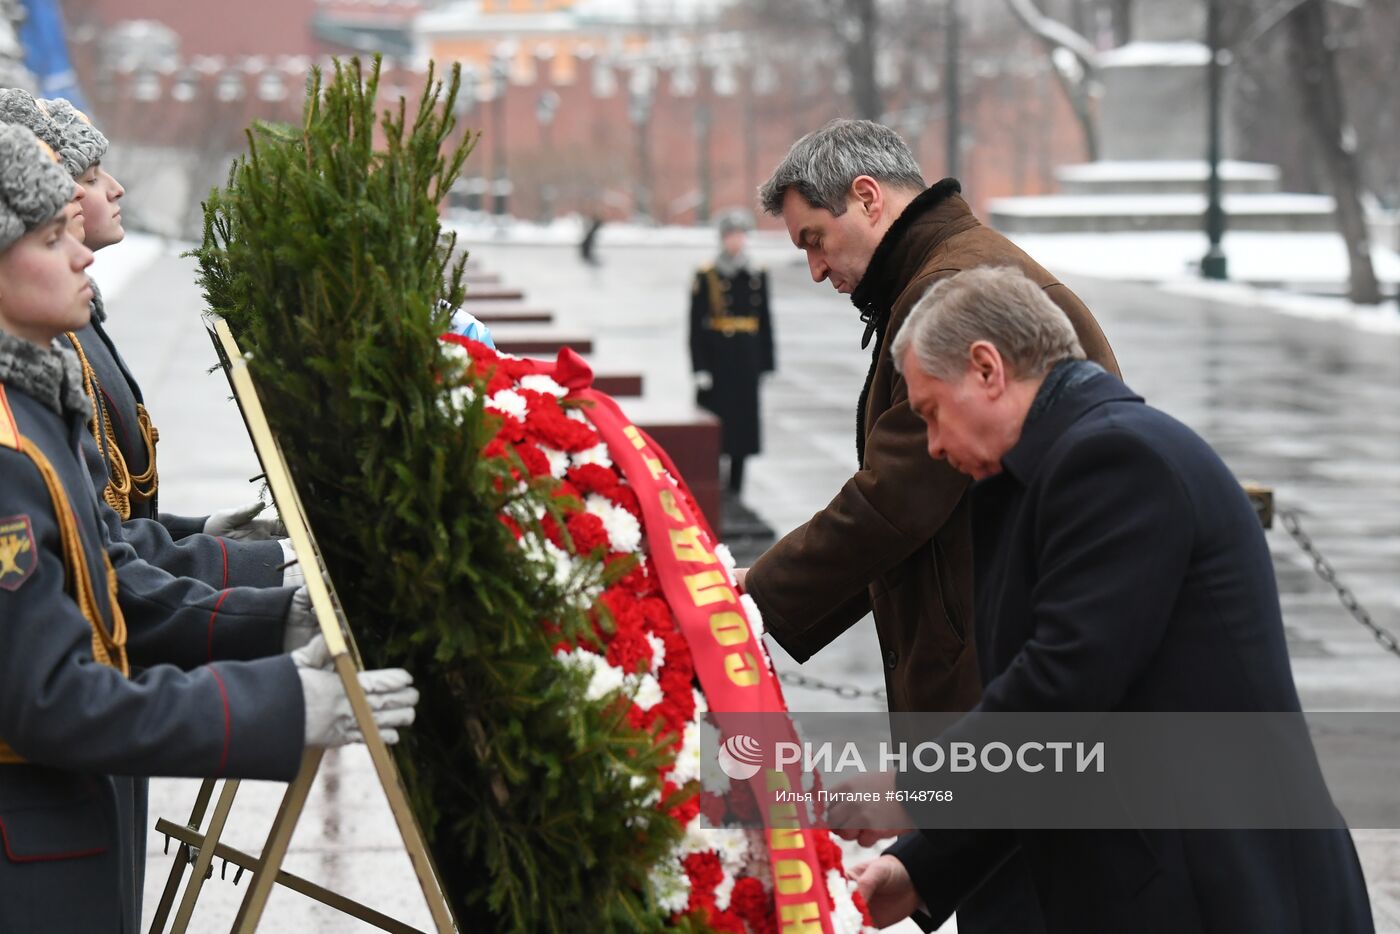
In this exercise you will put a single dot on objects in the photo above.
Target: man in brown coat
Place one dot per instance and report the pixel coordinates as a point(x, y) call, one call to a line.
point(896, 539)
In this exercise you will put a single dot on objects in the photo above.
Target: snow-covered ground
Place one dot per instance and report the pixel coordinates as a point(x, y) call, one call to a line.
point(1299, 274)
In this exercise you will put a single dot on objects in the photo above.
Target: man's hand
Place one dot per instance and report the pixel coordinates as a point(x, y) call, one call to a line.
point(330, 720)
point(868, 822)
point(740, 575)
point(242, 524)
point(888, 891)
point(704, 381)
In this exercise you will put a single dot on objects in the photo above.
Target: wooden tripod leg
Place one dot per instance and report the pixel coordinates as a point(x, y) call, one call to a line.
point(278, 839)
point(206, 856)
point(418, 855)
point(182, 856)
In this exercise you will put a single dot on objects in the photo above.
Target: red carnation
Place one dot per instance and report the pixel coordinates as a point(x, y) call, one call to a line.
point(588, 533)
point(705, 874)
point(593, 478)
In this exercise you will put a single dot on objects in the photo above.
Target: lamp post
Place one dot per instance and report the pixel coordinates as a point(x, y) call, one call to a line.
point(466, 104)
point(500, 76)
point(702, 155)
point(546, 106)
point(639, 109)
point(1213, 264)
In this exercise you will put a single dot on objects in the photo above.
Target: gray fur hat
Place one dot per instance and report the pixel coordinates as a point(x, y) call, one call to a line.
point(33, 186)
point(65, 129)
point(737, 219)
point(80, 144)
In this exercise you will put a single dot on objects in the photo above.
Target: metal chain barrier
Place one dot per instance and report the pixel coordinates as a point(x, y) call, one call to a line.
point(1387, 639)
point(1324, 569)
point(847, 691)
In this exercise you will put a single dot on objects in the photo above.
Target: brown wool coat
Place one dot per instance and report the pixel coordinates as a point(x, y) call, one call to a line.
point(897, 538)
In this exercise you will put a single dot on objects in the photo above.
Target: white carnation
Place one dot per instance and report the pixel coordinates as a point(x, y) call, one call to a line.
point(687, 767)
point(648, 692)
point(670, 886)
point(712, 779)
point(845, 916)
point(733, 849)
point(576, 415)
point(558, 462)
point(603, 678)
point(658, 651)
point(539, 382)
point(755, 617)
point(702, 706)
point(561, 570)
point(723, 891)
point(598, 454)
point(508, 402)
point(758, 865)
point(457, 356)
point(624, 531)
point(726, 558)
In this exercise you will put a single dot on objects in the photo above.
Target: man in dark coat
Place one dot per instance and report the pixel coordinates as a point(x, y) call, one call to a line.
point(731, 342)
point(1120, 567)
point(896, 539)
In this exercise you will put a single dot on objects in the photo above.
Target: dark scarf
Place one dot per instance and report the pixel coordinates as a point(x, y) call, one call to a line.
point(1063, 377)
point(52, 374)
point(881, 285)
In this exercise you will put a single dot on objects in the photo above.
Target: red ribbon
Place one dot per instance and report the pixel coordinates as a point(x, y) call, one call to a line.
point(729, 662)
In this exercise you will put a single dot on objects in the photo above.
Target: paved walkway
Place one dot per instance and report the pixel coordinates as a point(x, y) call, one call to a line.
point(1308, 408)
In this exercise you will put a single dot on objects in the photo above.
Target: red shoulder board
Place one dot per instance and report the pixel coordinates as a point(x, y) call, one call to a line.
point(19, 553)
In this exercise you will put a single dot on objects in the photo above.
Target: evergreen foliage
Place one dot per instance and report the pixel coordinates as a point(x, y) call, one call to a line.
point(325, 255)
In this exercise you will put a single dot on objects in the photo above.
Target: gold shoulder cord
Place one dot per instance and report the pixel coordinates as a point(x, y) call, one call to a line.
point(719, 306)
point(121, 487)
point(107, 648)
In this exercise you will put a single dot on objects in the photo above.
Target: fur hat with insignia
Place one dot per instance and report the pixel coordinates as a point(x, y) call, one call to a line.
point(65, 128)
point(737, 219)
point(33, 186)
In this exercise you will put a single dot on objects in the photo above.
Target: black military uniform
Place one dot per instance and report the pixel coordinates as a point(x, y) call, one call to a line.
point(75, 718)
point(121, 456)
point(731, 339)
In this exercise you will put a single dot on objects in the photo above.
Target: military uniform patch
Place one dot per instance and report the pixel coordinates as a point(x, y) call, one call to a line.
point(19, 554)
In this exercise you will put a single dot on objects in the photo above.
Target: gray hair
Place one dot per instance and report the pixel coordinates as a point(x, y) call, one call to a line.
point(822, 165)
point(998, 304)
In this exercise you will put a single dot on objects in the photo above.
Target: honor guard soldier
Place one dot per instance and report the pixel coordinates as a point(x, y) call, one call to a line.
point(95, 693)
point(731, 341)
point(229, 548)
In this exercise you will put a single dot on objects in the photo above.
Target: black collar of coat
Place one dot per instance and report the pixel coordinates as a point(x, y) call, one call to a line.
point(898, 256)
point(1023, 460)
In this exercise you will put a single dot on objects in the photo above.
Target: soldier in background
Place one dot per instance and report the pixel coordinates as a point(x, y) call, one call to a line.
point(731, 341)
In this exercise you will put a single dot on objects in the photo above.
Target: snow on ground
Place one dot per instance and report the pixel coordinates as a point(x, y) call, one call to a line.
point(1299, 274)
point(113, 267)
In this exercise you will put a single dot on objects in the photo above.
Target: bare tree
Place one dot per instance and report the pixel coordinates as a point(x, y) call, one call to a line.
point(854, 26)
point(1313, 64)
point(1075, 64)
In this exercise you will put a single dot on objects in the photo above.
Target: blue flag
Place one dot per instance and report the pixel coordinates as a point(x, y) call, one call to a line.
point(46, 52)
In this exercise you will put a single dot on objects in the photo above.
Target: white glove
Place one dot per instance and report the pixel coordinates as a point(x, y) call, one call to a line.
point(242, 525)
point(330, 721)
point(704, 380)
point(292, 574)
point(301, 625)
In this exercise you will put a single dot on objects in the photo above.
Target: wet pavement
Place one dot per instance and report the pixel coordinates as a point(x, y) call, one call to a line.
point(1306, 407)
